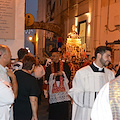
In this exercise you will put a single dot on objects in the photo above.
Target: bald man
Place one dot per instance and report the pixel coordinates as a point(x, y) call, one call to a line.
point(8, 84)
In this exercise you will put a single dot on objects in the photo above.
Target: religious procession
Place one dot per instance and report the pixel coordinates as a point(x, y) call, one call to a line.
point(73, 91)
point(59, 60)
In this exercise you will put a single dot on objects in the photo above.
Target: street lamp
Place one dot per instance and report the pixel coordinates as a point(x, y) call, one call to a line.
point(30, 38)
point(33, 40)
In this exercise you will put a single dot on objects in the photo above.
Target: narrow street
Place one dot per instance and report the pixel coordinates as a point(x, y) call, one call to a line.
point(43, 109)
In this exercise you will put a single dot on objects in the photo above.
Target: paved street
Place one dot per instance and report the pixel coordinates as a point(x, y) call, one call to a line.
point(42, 110)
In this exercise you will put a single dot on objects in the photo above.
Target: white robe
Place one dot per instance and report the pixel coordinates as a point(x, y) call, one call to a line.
point(101, 109)
point(86, 84)
point(60, 96)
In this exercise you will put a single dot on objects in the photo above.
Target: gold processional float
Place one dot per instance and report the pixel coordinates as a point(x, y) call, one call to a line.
point(74, 46)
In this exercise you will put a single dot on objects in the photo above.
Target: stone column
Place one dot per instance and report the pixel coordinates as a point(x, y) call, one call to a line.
point(40, 34)
point(95, 12)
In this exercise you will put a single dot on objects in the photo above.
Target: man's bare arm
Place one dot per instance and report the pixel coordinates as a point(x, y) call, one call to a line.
point(34, 105)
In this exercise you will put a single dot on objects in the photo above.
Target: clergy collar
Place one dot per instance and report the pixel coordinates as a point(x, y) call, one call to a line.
point(56, 62)
point(96, 68)
point(99, 68)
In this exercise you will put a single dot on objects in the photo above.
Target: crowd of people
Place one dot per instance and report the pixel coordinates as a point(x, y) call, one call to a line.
point(75, 91)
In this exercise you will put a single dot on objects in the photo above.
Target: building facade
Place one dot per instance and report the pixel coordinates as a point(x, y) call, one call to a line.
point(95, 21)
point(12, 19)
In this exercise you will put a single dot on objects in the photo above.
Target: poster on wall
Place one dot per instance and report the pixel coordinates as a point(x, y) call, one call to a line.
point(49, 45)
point(7, 19)
point(82, 34)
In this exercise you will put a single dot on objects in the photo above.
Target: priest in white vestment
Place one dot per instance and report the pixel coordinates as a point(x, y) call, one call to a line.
point(87, 83)
point(107, 103)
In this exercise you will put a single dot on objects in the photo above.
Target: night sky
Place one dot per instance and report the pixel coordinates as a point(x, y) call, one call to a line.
point(31, 7)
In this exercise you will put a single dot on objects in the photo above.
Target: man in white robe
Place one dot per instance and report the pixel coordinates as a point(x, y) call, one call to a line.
point(87, 83)
point(106, 105)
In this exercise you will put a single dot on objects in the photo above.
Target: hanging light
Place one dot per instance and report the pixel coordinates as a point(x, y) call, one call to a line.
point(30, 38)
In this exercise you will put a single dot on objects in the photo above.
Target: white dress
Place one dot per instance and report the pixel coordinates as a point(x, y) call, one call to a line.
point(86, 85)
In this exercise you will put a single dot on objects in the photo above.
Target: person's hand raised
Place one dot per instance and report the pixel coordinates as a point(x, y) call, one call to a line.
point(10, 73)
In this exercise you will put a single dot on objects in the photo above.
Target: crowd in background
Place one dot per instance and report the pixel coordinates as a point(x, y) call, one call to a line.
point(78, 64)
point(35, 78)
point(39, 71)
